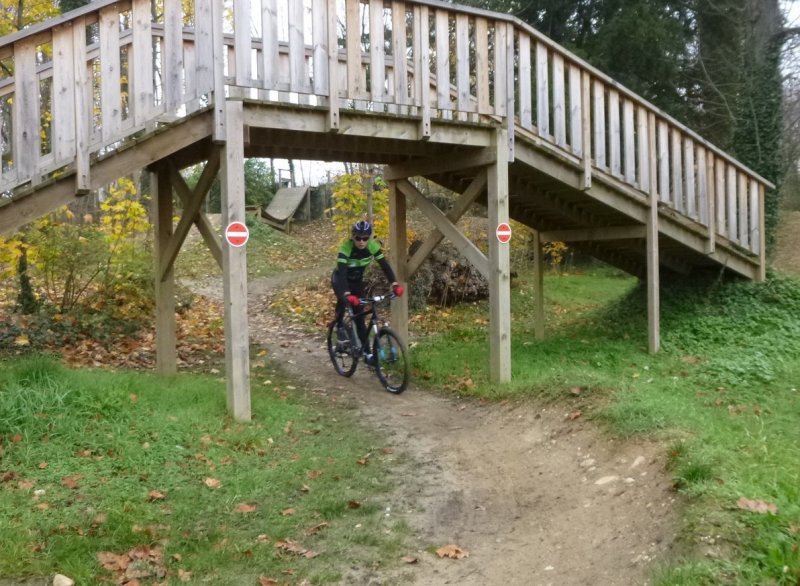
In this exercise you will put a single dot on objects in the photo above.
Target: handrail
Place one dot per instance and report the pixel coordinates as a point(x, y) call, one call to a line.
point(450, 63)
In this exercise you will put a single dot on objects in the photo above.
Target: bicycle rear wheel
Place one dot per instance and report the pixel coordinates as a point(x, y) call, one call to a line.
point(341, 350)
point(391, 361)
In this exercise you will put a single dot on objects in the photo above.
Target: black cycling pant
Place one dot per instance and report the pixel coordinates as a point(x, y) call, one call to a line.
point(340, 287)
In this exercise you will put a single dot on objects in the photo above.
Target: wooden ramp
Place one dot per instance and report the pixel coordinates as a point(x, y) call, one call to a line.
point(284, 205)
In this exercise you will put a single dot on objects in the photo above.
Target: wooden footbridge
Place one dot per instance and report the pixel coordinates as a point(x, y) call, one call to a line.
point(478, 102)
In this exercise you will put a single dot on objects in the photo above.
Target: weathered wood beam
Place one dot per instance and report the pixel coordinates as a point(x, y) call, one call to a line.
point(437, 165)
point(398, 250)
point(27, 206)
point(538, 288)
point(595, 234)
point(499, 264)
point(193, 202)
point(166, 335)
point(450, 230)
point(653, 257)
point(234, 268)
point(433, 239)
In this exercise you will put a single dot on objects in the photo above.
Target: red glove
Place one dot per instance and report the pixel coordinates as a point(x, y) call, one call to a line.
point(353, 300)
point(398, 290)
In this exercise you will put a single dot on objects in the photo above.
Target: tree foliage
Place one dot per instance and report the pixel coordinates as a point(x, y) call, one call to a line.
point(350, 204)
point(74, 260)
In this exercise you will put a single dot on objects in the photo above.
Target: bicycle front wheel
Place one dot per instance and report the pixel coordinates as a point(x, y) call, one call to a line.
point(340, 349)
point(391, 361)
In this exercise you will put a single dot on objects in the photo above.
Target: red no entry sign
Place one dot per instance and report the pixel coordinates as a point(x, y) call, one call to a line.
point(503, 232)
point(237, 234)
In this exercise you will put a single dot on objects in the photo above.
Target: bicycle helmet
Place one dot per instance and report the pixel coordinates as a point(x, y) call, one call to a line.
point(362, 228)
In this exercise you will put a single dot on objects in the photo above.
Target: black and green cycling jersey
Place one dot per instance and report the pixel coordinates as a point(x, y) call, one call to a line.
point(352, 261)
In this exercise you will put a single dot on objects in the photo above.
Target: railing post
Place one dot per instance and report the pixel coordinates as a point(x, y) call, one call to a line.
point(333, 68)
point(217, 12)
point(653, 277)
point(586, 129)
point(82, 109)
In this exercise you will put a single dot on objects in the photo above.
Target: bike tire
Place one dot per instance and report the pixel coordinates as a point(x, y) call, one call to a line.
point(391, 361)
point(341, 351)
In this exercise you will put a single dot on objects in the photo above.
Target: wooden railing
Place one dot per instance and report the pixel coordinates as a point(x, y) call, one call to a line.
point(77, 87)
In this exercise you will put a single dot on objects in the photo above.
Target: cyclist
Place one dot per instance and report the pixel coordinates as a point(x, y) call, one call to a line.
point(347, 280)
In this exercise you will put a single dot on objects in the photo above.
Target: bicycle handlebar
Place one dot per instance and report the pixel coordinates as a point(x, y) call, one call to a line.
point(377, 298)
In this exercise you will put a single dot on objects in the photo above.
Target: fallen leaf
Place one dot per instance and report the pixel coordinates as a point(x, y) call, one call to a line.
point(71, 481)
point(574, 415)
point(264, 581)
point(212, 483)
point(388, 450)
point(263, 538)
point(451, 551)
point(43, 465)
point(316, 528)
point(244, 508)
point(353, 504)
point(7, 476)
point(288, 512)
point(22, 340)
point(292, 546)
point(409, 559)
point(757, 506)
point(184, 576)
point(155, 495)
point(312, 474)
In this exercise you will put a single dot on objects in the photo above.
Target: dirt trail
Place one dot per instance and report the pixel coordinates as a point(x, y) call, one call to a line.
point(534, 497)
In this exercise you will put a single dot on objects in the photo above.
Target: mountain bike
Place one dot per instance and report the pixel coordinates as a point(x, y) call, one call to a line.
point(389, 357)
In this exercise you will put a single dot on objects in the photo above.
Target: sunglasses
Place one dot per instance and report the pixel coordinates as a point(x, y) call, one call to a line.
point(361, 238)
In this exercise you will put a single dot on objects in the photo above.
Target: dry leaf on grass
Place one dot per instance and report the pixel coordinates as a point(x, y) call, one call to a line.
point(452, 551)
point(212, 483)
point(155, 495)
point(244, 508)
point(290, 546)
point(757, 506)
point(409, 559)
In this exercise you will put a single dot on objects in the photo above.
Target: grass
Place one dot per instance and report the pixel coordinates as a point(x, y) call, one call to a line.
point(94, 462)
point(722, 394)
point(269, 251)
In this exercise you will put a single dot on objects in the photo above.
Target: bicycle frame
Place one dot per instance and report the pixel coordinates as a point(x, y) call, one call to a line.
point(375, 320)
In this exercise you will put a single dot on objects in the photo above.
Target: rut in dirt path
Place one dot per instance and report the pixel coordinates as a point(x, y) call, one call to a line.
point(534, 496)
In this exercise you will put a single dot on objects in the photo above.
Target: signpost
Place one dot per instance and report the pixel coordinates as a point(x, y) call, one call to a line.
point(237, 234)
point(503, 232)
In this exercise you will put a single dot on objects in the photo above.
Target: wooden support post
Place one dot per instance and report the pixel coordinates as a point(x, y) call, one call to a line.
point(166, 338)
point(234, 268)
point(653, 298)
point(397, 249)
point(538, 285)
point(499, 266)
